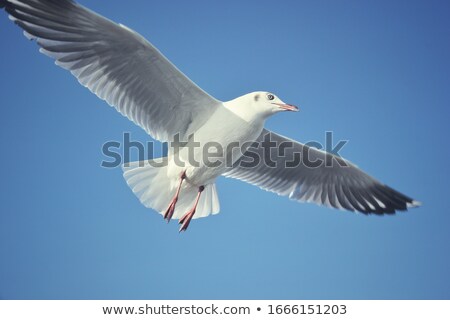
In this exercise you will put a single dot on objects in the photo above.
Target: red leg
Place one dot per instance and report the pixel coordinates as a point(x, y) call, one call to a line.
point(186, 219)
point(171, 209)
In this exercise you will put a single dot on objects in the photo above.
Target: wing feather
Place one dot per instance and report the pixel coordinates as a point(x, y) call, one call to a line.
point(117, 64)
point(319, 177)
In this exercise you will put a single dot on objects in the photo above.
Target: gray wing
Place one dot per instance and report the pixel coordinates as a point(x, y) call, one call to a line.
point(307, 174)
point(117, 64)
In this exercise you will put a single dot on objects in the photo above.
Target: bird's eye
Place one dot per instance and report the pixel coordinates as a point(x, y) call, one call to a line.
point(270, 96)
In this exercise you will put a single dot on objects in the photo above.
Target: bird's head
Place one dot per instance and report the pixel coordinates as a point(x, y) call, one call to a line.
point(259, 104)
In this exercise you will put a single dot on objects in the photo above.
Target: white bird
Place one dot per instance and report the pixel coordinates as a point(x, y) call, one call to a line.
point(129, 73)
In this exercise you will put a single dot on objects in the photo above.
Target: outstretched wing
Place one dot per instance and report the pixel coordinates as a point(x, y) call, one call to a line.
point(306, 174)
point(117, 64)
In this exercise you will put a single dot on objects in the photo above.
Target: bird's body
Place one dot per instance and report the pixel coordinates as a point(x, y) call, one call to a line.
point(225, 148)
point(122, 68)
point(206, 154)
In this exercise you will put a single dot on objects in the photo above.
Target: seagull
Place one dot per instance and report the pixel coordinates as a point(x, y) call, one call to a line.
point(130, 74)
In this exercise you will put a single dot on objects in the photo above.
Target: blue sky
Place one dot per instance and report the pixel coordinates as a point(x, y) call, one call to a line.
point(373, 72)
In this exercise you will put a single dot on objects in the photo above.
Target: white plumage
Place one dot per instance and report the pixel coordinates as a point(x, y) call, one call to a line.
point(125, 70)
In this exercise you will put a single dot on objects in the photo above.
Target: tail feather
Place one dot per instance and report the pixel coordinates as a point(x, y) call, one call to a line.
point(155, 190)
point(209, 202)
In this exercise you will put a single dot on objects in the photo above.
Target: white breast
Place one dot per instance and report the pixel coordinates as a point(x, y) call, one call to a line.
point(214, 147)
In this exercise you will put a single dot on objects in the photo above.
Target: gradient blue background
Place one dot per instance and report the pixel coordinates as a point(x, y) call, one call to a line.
point(374, 72)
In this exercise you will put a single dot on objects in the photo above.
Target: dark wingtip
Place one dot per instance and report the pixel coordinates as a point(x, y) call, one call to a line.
point(2, 3)
point(380, 200)
point(391, 198)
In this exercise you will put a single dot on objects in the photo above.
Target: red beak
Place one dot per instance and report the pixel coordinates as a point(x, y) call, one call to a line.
point(287, 107)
